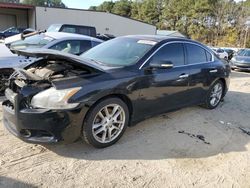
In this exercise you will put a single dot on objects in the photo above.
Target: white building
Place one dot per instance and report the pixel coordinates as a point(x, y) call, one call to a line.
point(40, 18)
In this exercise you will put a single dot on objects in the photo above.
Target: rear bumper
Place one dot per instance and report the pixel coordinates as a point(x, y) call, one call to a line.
point(42, 125)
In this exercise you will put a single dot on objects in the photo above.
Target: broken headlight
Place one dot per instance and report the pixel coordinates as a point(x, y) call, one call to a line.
point(55, 99)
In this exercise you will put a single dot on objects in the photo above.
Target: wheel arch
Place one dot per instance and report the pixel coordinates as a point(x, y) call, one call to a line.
point(120, 96)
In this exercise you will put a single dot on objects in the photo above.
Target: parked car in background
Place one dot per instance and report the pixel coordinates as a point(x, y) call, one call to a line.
point(119, 82)
point(230, 53)
point(241, 60)
point(105, 37)
point(65, 42)
point(69, 28)
point(10, 32)
point(221, 53)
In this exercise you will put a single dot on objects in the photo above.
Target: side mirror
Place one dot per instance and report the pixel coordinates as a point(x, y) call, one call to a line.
point(161, 65)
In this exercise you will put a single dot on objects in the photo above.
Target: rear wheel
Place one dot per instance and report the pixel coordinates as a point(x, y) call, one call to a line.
point(214, 95)
point(106, 122)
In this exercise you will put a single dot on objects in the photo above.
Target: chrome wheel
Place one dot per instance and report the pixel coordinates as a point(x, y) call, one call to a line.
point(108, 123)
point(216, 94)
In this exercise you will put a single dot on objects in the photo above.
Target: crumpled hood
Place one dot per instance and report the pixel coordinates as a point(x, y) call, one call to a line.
point(54, 54)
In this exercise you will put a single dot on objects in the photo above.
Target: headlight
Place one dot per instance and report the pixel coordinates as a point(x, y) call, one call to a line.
point(55, 99)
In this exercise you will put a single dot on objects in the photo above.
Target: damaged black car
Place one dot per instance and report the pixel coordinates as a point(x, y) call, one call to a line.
point(62, 97)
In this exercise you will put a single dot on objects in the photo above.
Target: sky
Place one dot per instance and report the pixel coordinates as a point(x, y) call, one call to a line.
point(85, 4)
point(81, 4)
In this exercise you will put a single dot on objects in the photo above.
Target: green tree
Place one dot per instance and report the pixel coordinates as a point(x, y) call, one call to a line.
point(122, 7)
point(49, 3)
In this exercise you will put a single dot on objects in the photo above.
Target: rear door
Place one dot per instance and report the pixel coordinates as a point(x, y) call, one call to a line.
point(201, 70)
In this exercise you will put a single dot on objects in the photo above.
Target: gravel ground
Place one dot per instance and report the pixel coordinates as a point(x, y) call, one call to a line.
point(192, 147)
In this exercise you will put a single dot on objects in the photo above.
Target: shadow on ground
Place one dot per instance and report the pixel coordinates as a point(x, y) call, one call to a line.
point(159, 137)
point(12, 183)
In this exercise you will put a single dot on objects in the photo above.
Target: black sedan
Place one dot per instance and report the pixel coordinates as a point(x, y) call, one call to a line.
point(62, 97)
point(10, 32)
point(241, 61)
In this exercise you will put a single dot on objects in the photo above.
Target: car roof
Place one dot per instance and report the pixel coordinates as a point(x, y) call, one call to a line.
point(62, 35)
point(159, 38)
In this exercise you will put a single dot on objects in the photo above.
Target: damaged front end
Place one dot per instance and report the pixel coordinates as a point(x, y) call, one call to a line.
point(36, 110)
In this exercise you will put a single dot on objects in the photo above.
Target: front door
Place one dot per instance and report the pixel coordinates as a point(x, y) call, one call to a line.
point(164, 89)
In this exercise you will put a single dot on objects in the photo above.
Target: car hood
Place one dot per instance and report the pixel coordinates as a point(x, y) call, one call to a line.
point(54, 54)
point(242, 59)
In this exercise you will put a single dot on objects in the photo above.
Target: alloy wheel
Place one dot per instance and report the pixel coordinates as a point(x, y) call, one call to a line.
point(108, 123)
point(216, 94)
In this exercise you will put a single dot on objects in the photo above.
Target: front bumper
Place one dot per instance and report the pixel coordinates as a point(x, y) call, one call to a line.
point(42, 125)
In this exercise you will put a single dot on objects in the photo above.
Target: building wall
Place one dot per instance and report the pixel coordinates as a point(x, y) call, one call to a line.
point(32, 18)
point(104, 22)
point(20, 18)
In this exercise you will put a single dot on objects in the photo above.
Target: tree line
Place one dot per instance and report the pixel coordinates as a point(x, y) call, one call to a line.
point(214, 22)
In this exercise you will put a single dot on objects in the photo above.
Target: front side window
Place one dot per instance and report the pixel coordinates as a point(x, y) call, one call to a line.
point(196, 54)
point(171, 52)
point(122, 51)
point(70, 46)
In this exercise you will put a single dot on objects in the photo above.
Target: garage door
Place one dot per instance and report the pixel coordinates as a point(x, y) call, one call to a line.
point(7, 20)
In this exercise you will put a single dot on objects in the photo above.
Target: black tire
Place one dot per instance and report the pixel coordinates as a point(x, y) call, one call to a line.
point(207, 103)
point(87, 133)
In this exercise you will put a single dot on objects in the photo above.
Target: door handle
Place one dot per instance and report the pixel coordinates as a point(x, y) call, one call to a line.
point(213, 71)
point(183, 76)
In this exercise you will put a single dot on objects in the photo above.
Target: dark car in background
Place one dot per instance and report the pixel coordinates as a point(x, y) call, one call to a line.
point(241, 60)
point(230, 53)
point(10, 32)
point(116, 84)
point(69, 28)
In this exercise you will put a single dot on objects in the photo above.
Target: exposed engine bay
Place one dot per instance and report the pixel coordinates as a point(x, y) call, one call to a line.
point(51, 69)
point(40, 75)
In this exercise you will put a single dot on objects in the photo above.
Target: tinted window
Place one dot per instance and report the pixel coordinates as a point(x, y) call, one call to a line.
point(195, 54)
point(87, 31)
point(67, 29)
point(95, 43)
point(73, 47)
point(171, 52)
point(85, 46)
point(209, 56)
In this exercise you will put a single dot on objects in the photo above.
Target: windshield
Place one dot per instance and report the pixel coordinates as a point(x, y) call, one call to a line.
point(54, 28)
point(244, 53)
point(36, 41)
point(120, 51)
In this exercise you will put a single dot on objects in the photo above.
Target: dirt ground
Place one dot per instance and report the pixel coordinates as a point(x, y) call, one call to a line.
point(192, 147)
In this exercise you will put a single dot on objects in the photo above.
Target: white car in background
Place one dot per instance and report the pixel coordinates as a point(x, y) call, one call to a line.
point(221, 53)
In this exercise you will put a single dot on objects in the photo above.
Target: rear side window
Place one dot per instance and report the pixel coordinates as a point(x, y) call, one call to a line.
point(85, 45)
point(195, 54)
point(209, 56)
point(170, 52)
point(67, 29)
point(86, 31)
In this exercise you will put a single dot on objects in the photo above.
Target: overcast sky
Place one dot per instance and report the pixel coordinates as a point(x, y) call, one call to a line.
point(85, 4)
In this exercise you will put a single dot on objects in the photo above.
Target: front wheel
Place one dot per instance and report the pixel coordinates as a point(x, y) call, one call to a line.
point(214, 95)
point(106, 122)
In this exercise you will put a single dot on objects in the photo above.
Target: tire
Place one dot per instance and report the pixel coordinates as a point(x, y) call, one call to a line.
point(212, 90)
point(111, 126)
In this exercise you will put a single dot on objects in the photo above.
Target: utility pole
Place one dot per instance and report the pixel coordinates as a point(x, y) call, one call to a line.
point(246, 37)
